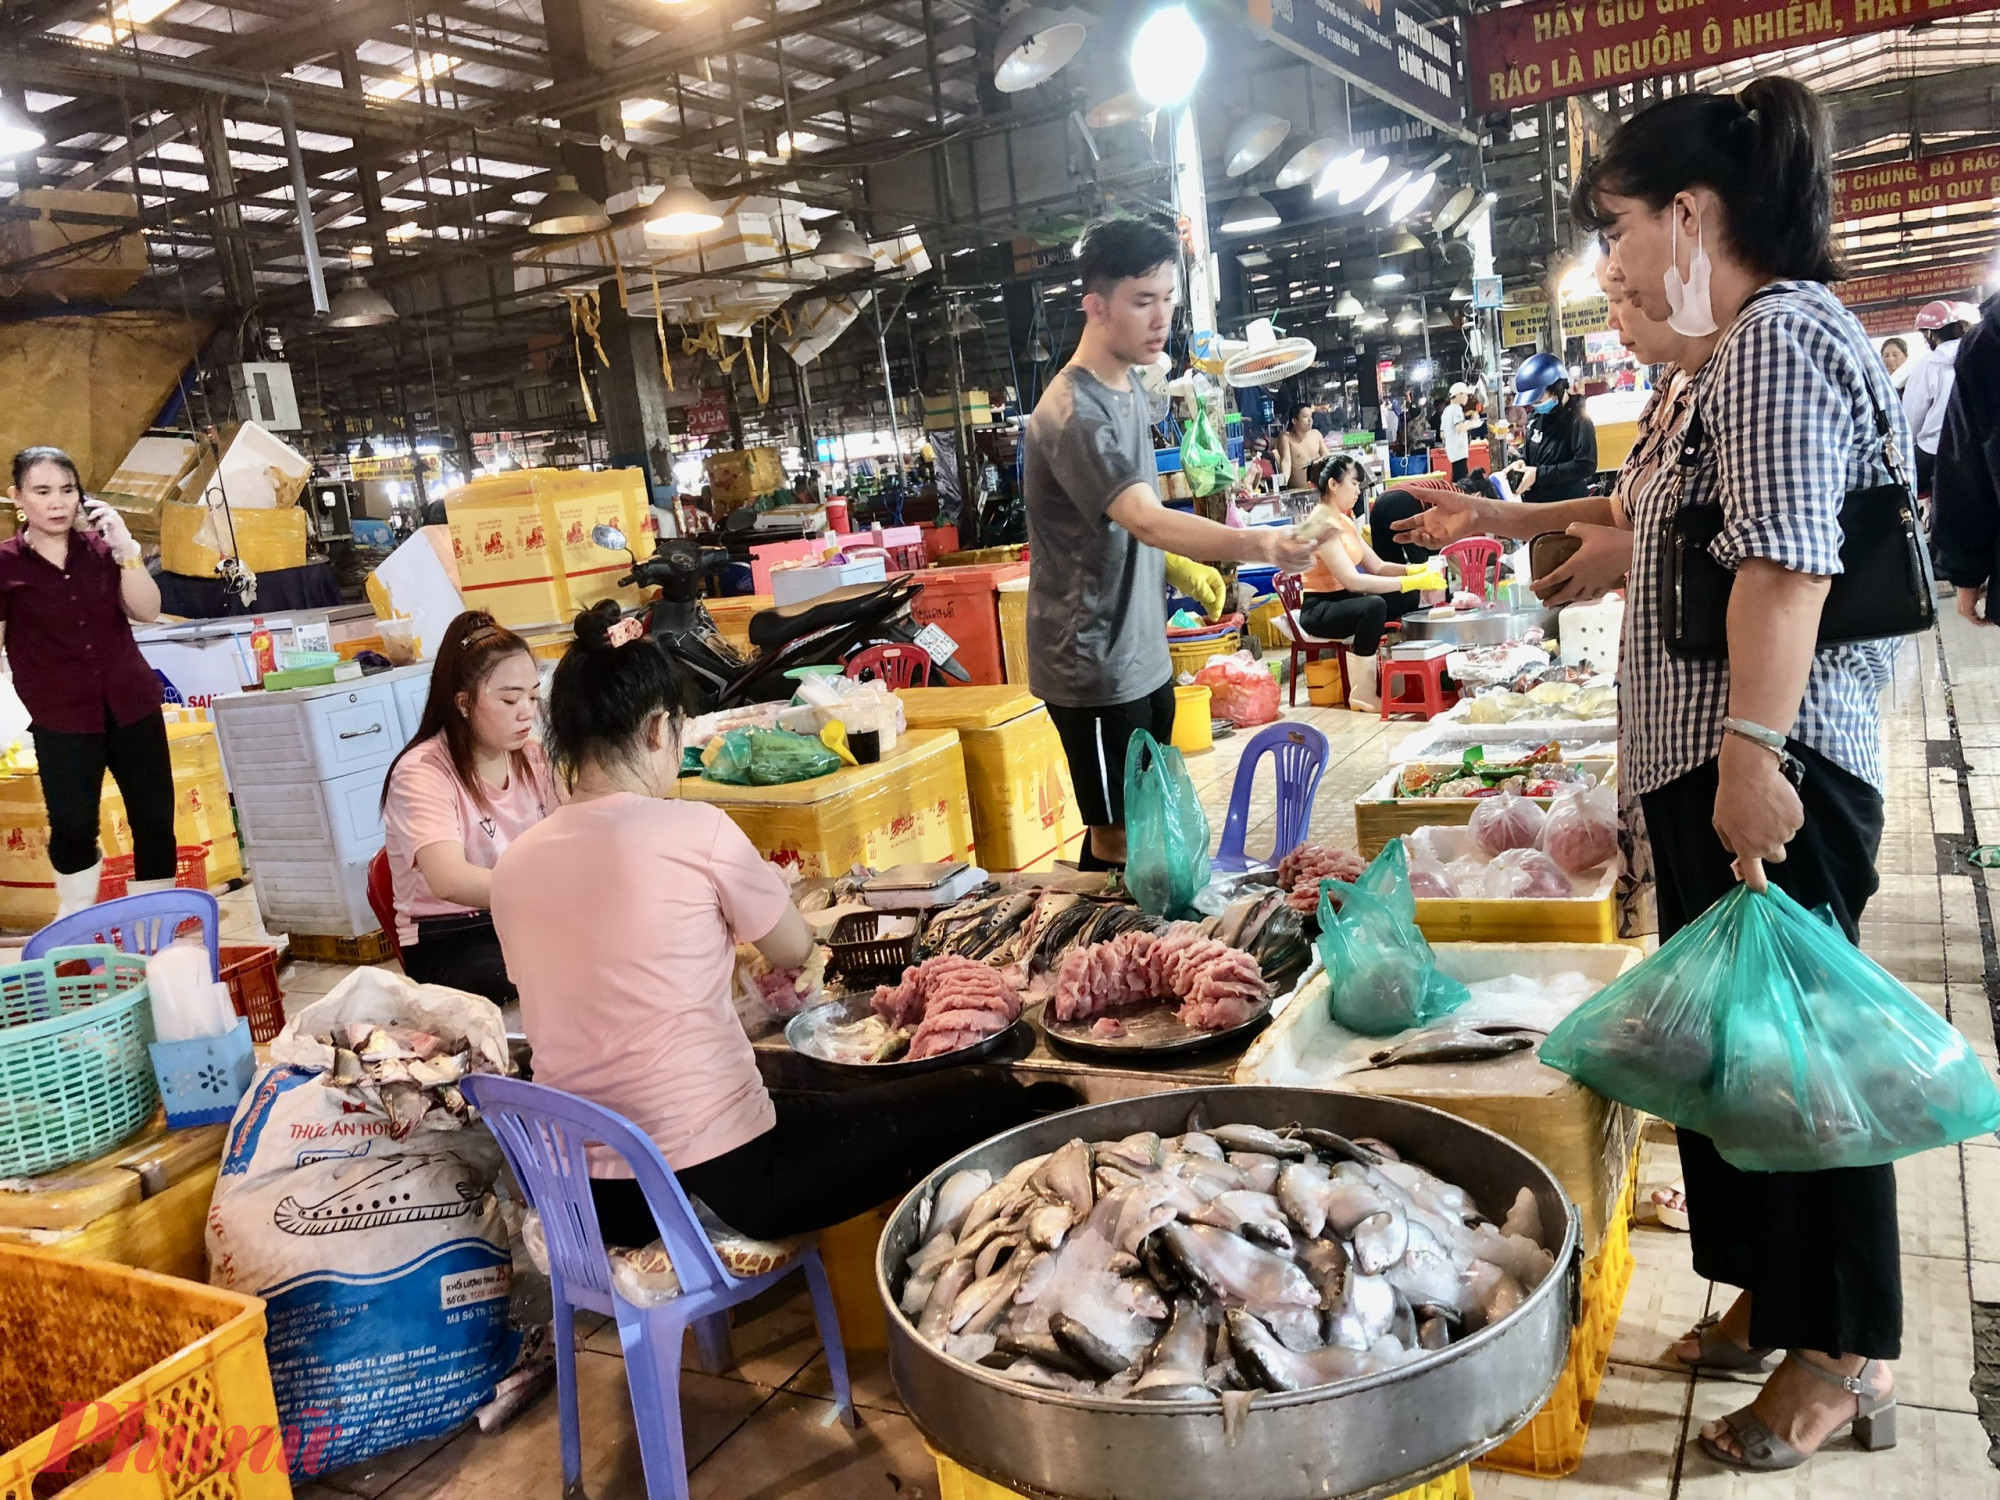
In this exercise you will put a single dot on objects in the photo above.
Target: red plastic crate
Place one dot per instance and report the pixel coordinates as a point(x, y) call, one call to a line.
point(190, 870)
point(252, 976)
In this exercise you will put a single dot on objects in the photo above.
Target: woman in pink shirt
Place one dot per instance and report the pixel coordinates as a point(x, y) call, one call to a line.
point(620, 914)
point(471, 782)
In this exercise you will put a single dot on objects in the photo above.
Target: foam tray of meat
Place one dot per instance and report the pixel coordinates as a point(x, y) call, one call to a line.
point(1160, 993)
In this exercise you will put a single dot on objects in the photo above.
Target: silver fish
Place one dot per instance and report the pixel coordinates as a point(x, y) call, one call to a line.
point(936, 1320)
point(955, 1199)
point(1227, 1267)
point(1047, 1225)
point(1035, 1278)
point(980, 1305)
point(1255, 1216)
point(1301, 1194)
point(986, 1207)
point(1065, 1177)
point(1427, 1274)
point(1259, 1171)
point(1366, 1312)
point(1195, 1143)
point(1080, 1343)
point(1464, 1042)
point(1137, 1153)
point(1257, 1139)
point(1175, 1368)
point(995, 1251)
point(1380, 1240)
point(1271, 1365)
point(931, 1257)
point(1326, 1266)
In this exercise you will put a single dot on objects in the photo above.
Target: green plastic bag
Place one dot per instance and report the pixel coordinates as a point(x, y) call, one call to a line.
point(1760, 1026)
point(1204, 460)
point(768, 757)
point(1382, 976)
point(1166, 831)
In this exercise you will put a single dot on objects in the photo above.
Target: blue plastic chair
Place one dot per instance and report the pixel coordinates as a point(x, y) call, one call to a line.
point(542, 1132)
point(145, 923)
point(1299, 752)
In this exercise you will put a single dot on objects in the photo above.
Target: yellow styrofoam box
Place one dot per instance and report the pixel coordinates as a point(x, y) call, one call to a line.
point(1014, 629)
point(1024, 813)
point(266, 540)
point(522, 541)
point(143, 1203)
point(738, 477)
point(910, 807)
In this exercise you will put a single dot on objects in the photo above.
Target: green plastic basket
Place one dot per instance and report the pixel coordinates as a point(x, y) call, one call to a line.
point(75, 1077)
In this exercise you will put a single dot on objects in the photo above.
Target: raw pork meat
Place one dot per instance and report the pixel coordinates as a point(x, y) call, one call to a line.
point(1301, 871)
point(952, 1001)
point(1219, 986)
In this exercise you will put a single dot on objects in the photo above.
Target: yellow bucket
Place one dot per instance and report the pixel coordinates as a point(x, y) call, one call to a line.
point(1323, 687)
point(1191, 720)
point(847, 1250)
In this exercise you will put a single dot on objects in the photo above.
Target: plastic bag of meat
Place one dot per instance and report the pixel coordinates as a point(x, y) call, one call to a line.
point(1382, 974)
point(1507, 822)
point(1582, 828)
point(1527, 875)
point(1430, 880)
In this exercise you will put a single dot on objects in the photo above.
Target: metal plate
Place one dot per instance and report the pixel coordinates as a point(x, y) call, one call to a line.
point(855, 1008)
point(1372, 1437)
point(1150, 1030)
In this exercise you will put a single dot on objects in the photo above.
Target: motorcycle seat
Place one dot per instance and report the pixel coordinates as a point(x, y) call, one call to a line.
point(773, 627)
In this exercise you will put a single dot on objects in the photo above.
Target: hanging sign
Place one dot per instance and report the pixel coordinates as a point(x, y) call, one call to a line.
point(1523, 325)
point(1960, 279)
point(1548, 49)
point(1584, 315)
point(1948, 179)
point(1395, 49)
point(399, 467)
point(709, 415)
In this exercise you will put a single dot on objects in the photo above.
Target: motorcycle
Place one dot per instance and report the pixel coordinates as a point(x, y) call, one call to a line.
point(825, 631)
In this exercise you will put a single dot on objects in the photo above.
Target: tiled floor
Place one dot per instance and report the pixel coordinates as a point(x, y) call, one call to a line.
point(765, 1431)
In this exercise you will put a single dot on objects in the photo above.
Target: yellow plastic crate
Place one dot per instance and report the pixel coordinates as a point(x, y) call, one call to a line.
point(956, 1483)
point(1192, 658)
point(1551, 1445)
point(369, 948)
point(165, 1381)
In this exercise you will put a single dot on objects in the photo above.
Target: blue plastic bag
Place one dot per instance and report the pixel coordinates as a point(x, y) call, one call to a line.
point(1382, 974)
point(1166, 831)
point(1760, 1026)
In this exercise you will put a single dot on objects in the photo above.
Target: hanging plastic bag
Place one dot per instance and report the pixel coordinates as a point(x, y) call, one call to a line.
point(1241, 690)
point(1166, 831)
point(1760, 1026)
point(766, 757)
point(1383, 975)
point(1582, 828)
point(1204, 460)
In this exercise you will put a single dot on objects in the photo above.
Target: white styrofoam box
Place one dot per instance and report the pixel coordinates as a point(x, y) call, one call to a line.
point(252, 468)
point(307, 734)
point(201, 671)
point(321, 897)
point(796, 585)
point(1590, 632)
point(341, 817)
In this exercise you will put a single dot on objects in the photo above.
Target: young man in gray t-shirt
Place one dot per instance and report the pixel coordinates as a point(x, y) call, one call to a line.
point(1098, 534)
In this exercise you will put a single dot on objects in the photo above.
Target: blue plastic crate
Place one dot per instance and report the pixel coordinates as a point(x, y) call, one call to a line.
point(1260, 576)
point(1233, 445)
point(1167, 460)
point(201, 1081)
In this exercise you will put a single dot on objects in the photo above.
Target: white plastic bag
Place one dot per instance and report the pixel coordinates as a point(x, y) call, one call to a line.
point(1582, 828)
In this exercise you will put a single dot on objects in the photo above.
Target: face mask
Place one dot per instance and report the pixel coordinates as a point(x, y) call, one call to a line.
point(1544, 406)
point(1691, 314)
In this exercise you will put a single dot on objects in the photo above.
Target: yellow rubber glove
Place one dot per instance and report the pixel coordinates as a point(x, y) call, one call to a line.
point(1199, 582)
point(1417, 583)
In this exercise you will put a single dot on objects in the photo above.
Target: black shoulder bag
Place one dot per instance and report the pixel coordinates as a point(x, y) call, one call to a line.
point(1885, 587)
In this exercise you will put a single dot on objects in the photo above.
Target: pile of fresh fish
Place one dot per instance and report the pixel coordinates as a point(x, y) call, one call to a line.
point(1263, 924)
point(1225, 1259)
point(414, 1072)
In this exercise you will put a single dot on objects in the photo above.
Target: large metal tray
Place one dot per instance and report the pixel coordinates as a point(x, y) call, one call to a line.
point(1362, 1438)
point(855, 1008)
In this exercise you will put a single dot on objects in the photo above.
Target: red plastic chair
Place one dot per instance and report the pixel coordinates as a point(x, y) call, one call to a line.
point(1473, 557)
point(898, 666)
point(382, 899)
point(1305, 647)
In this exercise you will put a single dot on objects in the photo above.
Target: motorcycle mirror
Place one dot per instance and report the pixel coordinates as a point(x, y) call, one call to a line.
point(610, 538)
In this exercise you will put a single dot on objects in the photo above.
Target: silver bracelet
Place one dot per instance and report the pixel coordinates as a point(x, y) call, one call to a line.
point(1768, 739)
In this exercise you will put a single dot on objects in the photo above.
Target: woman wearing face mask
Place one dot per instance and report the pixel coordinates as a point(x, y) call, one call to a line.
point(471, 781)
point(1350, 593)
point(1559, 457)
point(1716, 211)
point(71, 584)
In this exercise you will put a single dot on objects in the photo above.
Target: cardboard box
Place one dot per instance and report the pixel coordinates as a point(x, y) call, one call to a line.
point(910, 807)
point(102, 271)
point(250, 470)
point(147, 479)
point(194, 539)
point(739, 477)
point(1024, 813)
point(975, 409)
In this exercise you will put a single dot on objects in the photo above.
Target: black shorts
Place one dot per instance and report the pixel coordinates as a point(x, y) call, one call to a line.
point(1094, 741)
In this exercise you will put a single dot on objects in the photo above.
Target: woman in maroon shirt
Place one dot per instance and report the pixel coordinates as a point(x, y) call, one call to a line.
point(67, 595)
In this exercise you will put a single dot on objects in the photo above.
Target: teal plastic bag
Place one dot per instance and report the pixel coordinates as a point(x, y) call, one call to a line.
point(1382, 976)
point(1760, 1026)
point(1204, 460)
point(768, 757)
point(1166, 831)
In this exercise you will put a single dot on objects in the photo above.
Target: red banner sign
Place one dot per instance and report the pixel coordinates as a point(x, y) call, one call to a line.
point(1897, 317)
point(1958, 281)
point(1547, 49)
point(1950, 179)
point(709, 415)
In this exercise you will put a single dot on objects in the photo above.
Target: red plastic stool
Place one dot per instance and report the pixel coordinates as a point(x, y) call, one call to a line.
point(1431, 697)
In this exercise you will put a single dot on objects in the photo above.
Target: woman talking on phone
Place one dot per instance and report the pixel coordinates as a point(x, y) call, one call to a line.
point(71, 583)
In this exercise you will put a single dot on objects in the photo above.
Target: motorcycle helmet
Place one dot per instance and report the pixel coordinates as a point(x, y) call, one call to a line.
point(1537, 373)
point(1935, 315)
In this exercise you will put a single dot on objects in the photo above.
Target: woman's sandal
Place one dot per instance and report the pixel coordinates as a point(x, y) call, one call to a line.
point(1721, 1352)
point(1874, 1424)
point(1671, 1214)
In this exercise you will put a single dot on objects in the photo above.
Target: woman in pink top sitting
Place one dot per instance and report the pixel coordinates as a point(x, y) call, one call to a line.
point(620, 915)
point(471, 782)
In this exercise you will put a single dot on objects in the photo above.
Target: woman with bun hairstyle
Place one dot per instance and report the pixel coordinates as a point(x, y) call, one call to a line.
point(471, 781)
point(1716, 216)
point(71, 584)
point(620, 914)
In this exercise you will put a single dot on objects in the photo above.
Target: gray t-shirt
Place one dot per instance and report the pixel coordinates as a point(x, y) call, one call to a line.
point(1097, 595)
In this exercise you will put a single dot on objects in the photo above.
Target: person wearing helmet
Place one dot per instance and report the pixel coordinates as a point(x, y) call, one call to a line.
point(1560, 455)
point(1928, 390)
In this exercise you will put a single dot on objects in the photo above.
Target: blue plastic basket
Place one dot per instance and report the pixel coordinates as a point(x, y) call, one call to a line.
point(201, 1081)
point(74, 1075)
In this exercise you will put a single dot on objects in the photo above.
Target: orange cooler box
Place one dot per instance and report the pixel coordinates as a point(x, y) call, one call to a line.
point(965, 604)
